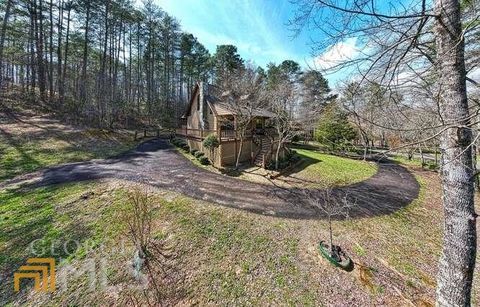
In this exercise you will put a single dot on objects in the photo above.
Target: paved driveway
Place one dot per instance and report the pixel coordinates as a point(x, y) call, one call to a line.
point(158, 164)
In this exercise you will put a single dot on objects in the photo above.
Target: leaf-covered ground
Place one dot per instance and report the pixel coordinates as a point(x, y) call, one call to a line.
point(29, 142)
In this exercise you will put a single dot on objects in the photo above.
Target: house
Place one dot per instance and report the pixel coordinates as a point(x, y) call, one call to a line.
point(207, 113)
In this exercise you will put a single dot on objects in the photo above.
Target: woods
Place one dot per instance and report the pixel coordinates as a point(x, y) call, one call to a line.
point(101, 62)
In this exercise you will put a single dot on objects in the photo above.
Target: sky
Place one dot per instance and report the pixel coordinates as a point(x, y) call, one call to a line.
point(257, 27)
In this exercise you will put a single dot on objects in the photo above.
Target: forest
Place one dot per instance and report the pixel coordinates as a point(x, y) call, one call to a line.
point(112, 63)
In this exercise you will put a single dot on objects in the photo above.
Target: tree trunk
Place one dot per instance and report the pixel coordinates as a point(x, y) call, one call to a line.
point(239, 151)
point(67, 40)
point(2, 37)
point(277, 154)
point(50, 67)
point(331, 234)
point(38, 17)
point(457, 262)
point(83, 83)
point(59, 46)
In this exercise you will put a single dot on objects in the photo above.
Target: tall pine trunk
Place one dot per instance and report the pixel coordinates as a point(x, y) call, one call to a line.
point(50, 67)
point(83, 83)
point(457, 262)
point(59, 45)
point(38, 18)
point(2, 36)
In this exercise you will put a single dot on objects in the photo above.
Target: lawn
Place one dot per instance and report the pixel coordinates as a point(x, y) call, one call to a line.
point(217, 255)
point(315, 169)
point(333, 170)
point(35, 142)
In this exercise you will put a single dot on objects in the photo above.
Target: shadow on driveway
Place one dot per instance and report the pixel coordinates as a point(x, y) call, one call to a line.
point(156, 163)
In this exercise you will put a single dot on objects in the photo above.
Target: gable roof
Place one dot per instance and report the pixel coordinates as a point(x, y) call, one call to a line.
point(218, 106)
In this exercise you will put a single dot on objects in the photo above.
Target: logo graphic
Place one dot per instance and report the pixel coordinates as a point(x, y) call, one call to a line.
point(42, 270)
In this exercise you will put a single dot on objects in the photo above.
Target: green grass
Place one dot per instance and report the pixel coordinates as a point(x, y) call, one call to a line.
point(28, 152)
point(228, 256)
point(329, 169)
point(44, 216)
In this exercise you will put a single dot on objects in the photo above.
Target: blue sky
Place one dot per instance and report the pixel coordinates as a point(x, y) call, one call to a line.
point(257, 27)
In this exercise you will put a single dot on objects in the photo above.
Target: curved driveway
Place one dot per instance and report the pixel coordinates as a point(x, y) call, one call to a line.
point(158, 164)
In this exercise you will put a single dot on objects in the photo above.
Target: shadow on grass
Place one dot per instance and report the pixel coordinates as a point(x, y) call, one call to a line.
point(303, 164)
point(34, 224)
point(25, 158)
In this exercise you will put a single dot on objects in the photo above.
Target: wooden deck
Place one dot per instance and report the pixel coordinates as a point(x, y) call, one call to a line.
point(200, 134)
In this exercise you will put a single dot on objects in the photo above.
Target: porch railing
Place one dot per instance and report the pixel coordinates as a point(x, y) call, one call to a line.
point(202, 133)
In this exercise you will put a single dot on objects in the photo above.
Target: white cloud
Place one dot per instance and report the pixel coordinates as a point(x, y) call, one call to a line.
point(337, 54)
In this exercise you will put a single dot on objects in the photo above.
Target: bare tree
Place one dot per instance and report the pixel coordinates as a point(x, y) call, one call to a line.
point(400, 47)
point(244, 96)
point(331, 206)
point(283, 103)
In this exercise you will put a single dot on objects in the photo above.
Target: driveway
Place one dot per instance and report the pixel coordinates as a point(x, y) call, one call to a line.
point(158, 164)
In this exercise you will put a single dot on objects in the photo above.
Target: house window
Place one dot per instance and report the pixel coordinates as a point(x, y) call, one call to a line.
point(198, 102)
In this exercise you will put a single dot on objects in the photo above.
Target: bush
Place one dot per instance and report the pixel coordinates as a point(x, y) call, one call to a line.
point(296, 139)
point(290, 154)
point(211, 142)
point(185, 147)
point(295, 158)
point(179, 142)
point(270, 165)
point(199, 154)
point(204, 160)
point(193, 151)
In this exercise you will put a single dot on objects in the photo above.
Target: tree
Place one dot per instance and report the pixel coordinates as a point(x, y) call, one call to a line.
point(402, 48)
point(226, 62)
point(333, 129)
point(283, 104)
point(6, 16)
point(244, 96)
point(455, 274)
point(314, 95)
point(331, 206)
point(211, 142)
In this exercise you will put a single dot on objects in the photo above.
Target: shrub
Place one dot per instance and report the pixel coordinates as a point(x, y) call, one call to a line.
point(295, 158)
point(270, 165)
point(193, 151)
point(137, 213)
point(185, 147)
point(211, 142)
point(204, 160)
point(290, 154)
point(199, 154)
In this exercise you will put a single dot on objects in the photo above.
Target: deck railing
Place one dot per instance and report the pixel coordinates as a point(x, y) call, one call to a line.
point(202, 133)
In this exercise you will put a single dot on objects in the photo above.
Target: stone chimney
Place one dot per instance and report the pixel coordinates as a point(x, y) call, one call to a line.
point(201, 112)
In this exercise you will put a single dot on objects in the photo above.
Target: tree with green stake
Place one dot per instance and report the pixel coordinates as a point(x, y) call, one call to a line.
point(331, 205)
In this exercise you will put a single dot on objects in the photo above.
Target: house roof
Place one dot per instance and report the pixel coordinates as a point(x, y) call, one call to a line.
point(218, 105)
point(222, 109)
